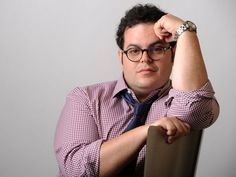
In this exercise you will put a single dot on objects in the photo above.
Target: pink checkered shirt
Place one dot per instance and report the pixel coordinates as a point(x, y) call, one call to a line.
point(97, 113)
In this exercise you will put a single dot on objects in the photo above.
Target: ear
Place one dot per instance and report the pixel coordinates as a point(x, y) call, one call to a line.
point(120, 56)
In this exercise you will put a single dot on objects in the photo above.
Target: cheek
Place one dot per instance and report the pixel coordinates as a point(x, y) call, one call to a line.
point(128, 67)
point(165, 68)
point(129, 70)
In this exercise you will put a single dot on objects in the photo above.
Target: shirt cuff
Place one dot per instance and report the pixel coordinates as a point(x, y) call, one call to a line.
point(186, 98)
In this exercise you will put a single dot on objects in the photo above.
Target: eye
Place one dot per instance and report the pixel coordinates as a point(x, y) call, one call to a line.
point(133, 51)
point(157, 49)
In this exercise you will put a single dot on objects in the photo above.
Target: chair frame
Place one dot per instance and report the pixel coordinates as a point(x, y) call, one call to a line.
point(178, 159)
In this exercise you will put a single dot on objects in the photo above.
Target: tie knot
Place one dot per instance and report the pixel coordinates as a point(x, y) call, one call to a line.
point(140, 109)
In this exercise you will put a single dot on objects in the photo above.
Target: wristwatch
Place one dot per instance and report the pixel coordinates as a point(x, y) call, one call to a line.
point(186, 26)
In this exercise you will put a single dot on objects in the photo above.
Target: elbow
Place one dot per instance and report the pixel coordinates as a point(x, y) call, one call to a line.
point(69, 165)
point(203, 116)
point(77, 161)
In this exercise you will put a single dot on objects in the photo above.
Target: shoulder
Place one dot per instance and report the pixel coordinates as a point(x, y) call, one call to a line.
point(94, 90)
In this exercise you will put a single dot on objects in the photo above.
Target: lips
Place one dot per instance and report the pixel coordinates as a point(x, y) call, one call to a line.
point(146, 70)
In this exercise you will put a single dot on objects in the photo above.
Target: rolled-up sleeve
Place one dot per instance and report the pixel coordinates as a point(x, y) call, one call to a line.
point(199, 108)
point(77, 143)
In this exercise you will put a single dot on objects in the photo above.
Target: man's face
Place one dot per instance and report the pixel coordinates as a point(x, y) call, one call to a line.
point(147, 74)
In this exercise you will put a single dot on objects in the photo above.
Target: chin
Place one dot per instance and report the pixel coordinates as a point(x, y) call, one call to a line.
point(148, 86)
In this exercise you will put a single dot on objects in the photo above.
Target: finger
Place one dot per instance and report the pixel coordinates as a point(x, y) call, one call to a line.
point(159, 30)
point(167, 125)
point(162, 131)
point(187, 126)
point(171, 139)
point(162, 34)
point(182, 130)
point(169, 38)
point(171, 128)
point(166, 34)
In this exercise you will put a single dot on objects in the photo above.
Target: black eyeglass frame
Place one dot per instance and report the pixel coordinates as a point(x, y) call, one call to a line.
point(147, 50)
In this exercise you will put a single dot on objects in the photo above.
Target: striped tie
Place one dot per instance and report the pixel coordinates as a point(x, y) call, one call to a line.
point(140, 115)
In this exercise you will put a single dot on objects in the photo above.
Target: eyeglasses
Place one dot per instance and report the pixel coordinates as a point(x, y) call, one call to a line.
point(156, 53)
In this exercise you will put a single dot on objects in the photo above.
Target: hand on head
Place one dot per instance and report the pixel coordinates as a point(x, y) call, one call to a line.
point(166, 27)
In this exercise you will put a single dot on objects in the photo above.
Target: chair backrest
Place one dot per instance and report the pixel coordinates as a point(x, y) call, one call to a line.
point(178, 159)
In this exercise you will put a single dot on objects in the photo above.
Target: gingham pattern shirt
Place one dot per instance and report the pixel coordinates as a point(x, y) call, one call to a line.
point(97, 113)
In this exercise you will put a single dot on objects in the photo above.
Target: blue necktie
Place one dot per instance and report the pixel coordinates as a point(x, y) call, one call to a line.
point(140, 114)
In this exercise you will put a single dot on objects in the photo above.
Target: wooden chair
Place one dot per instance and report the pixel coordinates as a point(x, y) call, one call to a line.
point(178, 159)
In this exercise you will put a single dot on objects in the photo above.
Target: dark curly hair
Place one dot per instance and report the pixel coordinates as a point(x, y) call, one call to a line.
point(138, 14)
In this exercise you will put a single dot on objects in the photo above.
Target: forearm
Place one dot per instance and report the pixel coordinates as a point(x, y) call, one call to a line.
point(115, 154)
point(189, 72)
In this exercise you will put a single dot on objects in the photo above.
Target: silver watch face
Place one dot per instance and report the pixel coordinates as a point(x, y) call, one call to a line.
point(187, 25)
point(192, 26)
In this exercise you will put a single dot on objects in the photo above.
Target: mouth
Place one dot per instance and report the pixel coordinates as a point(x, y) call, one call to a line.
point(146, 70)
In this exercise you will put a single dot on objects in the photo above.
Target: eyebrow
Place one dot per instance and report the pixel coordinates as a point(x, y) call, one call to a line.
point(150, 45)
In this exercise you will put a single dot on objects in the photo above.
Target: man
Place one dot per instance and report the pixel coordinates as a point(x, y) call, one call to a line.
point(94, 136)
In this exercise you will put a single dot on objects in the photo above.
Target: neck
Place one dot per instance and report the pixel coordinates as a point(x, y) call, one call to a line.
point(141, 96)
point(142, 99)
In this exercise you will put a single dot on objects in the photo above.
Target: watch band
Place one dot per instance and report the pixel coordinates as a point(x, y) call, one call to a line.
point(186, 26)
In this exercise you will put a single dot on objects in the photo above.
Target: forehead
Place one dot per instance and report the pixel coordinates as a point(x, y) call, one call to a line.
point(141, 35)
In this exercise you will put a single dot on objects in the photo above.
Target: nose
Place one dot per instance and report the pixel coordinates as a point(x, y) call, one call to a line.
point(145, 57)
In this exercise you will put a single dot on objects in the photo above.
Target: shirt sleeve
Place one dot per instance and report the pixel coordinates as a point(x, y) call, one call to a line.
point(199, 108)
point(77, 142)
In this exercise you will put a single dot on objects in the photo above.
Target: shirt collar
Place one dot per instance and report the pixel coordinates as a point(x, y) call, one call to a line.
point(121, 86)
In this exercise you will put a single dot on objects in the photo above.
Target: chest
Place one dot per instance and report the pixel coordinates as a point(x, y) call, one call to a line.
point(113, 117)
